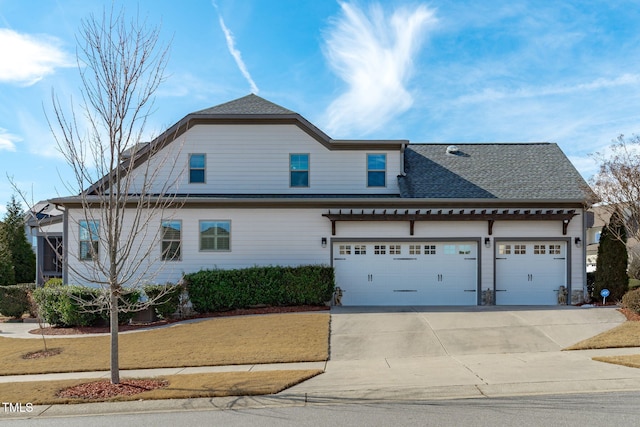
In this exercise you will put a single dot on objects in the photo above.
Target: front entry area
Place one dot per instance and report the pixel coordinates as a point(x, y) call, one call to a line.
point(407, 273)
point(530, 272)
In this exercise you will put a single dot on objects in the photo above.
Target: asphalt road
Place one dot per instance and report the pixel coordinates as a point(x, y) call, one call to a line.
point(602, 409)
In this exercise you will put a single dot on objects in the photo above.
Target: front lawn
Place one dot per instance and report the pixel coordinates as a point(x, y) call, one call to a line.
point(278, 338)
point(179, 387)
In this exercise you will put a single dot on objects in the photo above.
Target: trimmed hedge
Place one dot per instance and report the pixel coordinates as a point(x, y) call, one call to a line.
point(166, 298)
point(14, 299)
point(68, 305)
point(78, 305)
point(220, 290)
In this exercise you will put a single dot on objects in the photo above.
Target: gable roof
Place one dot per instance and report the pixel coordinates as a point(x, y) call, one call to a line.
point(525, 171)
point(247, 105)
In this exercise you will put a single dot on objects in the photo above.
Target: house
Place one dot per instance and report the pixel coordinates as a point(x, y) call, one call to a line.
point(598, 217)
point(402, 223)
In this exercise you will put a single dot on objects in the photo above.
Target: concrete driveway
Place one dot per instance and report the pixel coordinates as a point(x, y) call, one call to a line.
point(438, 352)
point(390, 332)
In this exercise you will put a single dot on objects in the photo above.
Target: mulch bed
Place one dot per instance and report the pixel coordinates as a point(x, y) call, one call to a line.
point(55, 330)
point(99, 390)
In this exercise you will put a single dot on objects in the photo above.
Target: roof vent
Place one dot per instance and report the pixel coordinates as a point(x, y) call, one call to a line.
point(453, 149)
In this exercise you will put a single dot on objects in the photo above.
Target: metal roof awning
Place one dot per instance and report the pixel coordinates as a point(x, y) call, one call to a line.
point(451, 215)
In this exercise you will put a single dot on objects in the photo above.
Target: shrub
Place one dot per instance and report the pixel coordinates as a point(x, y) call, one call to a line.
point(14, 299)
point(68, 305)
point(128, 298)
point(631, 300)
point(54, 281)
point(166, 298)
point(219, 290)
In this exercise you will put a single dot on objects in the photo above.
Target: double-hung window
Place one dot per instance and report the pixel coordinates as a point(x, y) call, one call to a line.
point(376, 170)
point(197, 168)
point(171, 240)
point(299, 170)
point(215, 235)
point(89, 243)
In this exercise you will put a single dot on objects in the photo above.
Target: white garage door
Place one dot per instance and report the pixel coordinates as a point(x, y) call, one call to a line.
point(420, 273)
point(530, 273)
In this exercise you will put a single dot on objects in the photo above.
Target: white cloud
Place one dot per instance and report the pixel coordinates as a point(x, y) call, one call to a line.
point(491, 94)
point(237, 56)
point(373, 53)
point(7, 140)
point(28, 58)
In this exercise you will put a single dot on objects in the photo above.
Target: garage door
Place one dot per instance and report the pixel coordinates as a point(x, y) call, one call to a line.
point(530, 273)
point(420, 273)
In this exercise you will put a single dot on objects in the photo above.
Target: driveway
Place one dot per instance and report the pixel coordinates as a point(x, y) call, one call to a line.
point(436, 352)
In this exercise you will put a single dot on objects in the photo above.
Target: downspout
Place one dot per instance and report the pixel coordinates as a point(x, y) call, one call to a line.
point(402, 171)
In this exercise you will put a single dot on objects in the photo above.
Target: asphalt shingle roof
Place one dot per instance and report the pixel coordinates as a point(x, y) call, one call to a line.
point(247, 105)
point(527, 171)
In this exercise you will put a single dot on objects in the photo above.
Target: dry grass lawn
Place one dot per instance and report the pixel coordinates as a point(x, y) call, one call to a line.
point(277, 338)
point(632, 360)
point(624, 335)
point(180, 387)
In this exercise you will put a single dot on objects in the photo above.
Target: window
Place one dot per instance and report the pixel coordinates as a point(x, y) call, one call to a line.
point(395, 250)
point(414, 249)
point(539, 249)
point(380, 249)
point(376, 170)
point(429, 249)
point(299, 170)
point(197, 168)
point(345, 249)
point(449, 249)
point(520, 249)
point(215, 235)
point(464, 250)
point(504, 249)
point(360, 250)
point(89, 239)
point(171, 247)
point(555, 250)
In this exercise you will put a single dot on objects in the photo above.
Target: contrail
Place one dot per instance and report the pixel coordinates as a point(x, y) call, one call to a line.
point(237, 56)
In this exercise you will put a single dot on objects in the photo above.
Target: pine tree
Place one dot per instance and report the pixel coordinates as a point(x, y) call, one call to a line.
point(22, 257)
point(611, 265)
point(6, 265)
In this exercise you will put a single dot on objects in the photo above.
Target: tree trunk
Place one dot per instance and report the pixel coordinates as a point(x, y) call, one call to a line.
point(113, 316)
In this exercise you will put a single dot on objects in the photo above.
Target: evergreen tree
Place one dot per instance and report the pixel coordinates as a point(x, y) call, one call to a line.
point(22, 256)
point(611, 265)
point(6, 265)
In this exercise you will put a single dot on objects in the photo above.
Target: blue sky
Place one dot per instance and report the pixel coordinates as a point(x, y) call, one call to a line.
point(438, 71)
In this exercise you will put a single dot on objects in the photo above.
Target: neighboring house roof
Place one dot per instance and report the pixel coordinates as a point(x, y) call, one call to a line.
point(531, 171)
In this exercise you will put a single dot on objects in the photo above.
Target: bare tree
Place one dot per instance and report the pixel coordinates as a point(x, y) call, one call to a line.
point(617, 184)
point(122, 196)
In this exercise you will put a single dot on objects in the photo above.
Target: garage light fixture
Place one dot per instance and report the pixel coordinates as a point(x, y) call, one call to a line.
point(487, 242)
point(324, 242)
point(577, 241)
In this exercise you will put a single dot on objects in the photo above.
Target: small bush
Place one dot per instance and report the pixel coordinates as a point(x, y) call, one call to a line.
point(631, 300)
point(14, 299)
point(128, 298)
point(219, 290)
point(68, 305)
point(54, 281)
point(166, 298)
